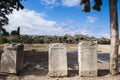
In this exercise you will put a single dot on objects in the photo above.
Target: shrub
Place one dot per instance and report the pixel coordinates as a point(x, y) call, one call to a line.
point(3, 40)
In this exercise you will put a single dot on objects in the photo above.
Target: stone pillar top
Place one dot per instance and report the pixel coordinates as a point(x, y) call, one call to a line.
point(57, 45)
point(13, 45)
point(87, 44)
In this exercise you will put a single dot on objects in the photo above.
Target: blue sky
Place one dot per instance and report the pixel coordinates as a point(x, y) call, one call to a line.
point(60, 17)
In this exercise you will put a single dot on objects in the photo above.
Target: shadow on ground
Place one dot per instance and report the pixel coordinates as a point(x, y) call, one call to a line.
point(105, 58)
point(72, 59)
point(103, 72)
point(35, 63)
point(34, 56)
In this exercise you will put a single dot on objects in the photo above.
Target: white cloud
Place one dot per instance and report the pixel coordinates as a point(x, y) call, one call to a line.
point(54, 3)
point(91, 19)
point(85, 32)
point(70, 22)
point(70, 3)
point(49, 3)
point(33, 23)
point(106, 35)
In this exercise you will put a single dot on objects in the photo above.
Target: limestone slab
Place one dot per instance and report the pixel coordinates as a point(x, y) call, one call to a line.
point(87, 58)
point(12, 58)
point(57, 60)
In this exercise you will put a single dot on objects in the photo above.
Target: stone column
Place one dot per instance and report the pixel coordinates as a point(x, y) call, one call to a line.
point(87, 58)
point(57, 60)
point(12, 58)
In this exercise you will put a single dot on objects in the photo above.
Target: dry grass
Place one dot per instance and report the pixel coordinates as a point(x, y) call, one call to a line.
point(70, 48)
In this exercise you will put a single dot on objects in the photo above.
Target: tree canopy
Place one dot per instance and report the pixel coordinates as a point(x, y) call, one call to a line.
point(7, 7)
point(87, 6)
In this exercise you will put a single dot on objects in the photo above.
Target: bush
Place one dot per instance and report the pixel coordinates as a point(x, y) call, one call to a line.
point(3, 40)
point(104, 41)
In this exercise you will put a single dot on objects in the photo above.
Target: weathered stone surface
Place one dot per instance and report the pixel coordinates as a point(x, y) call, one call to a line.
point(12, 58)
point(87, 58)
point(1, 51)
point(57, 60)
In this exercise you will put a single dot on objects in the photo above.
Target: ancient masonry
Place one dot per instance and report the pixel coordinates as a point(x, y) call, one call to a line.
point(12, 58)
point(87, 58)
point(57, 60)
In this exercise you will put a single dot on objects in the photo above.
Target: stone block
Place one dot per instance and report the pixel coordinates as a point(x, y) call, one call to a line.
point(12, 58)
point(57, 60)
point(87, 58)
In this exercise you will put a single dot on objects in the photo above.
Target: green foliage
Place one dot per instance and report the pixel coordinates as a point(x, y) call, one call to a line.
point(103, 41)
point(54, 39)
point(26, 39)
point(14, 33)
point(41, 41)
point(7, 7)
point(3, 39)
point(18, 30)
point(98, 4)
point(4, 32)
point(87, 6)
point(16, 39)
point(38, 40)
point(4, 20)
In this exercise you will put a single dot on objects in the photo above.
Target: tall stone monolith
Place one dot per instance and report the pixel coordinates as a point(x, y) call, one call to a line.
point(57, 60)
point(87, 58)
point(12, 58)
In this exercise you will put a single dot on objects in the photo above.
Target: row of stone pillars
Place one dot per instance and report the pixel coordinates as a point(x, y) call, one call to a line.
point(87, 59)
point(12, 59)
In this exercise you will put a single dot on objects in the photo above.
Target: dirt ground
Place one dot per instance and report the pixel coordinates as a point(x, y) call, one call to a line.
point(36, 64)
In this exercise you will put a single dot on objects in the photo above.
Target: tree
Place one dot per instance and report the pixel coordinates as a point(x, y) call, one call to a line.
point(113, 30)
point(14, 33)
point(114, 37)
point(7, 7)
point(4, 32)
point(18, 30)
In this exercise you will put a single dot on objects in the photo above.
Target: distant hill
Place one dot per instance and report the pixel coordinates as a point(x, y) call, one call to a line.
point(51, 39)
